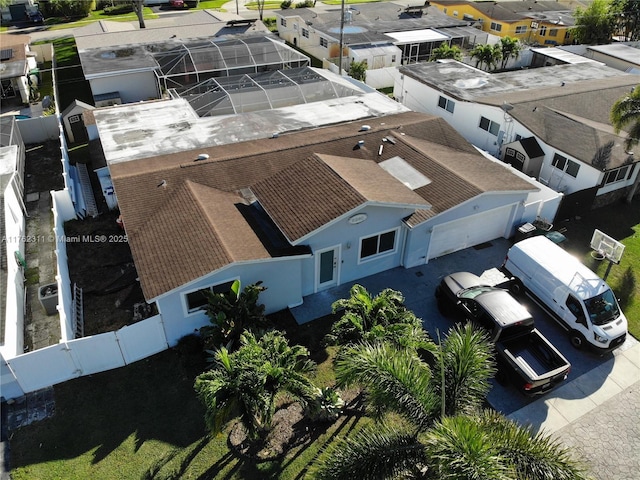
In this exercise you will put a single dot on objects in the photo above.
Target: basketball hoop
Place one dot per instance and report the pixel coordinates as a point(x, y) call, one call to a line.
point(604, 246)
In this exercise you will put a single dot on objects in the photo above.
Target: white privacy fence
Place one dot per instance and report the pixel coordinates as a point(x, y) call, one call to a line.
point(85, 356)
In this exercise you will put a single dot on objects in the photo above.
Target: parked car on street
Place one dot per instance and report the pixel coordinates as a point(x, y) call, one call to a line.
point(524, 356)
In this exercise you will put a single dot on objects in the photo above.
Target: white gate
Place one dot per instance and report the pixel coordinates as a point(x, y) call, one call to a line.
point(97, 353)
point(142, 339)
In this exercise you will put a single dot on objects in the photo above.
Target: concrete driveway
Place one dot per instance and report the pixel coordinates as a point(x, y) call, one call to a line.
point(418, 286)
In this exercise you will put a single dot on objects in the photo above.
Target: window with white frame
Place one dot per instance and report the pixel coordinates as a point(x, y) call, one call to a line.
point(446, 104)
point(553, 32)
point(496, 27)
point(618, 175)
point(521, 29)
point(197, 300)
point(489, 125)
point(324, 42)
point(376, 245)
point(563, 163)
point(305, 33)
point(283, 21)
point(543, 31)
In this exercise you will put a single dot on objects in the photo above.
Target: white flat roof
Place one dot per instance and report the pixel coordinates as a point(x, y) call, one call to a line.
point(619, 51)
point(148, 129)
point(563, 55)
point(417, 36)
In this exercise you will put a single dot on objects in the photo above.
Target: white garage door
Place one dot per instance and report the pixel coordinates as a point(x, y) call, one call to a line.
point(469, 231)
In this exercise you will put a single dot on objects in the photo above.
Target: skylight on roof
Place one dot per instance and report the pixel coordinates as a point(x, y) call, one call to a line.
point(400, 169)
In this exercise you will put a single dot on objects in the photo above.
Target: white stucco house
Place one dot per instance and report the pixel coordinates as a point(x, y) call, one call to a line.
point(552, 123)
point(384, 35)
point(301, 198)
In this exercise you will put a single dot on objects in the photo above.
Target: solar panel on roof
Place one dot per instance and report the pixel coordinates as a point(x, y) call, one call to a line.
point(6, 54)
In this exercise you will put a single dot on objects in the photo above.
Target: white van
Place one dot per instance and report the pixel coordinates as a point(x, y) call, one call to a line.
point(577, 298)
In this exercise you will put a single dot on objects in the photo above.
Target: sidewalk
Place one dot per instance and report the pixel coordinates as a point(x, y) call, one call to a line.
point(586, 393)
point(597, 415)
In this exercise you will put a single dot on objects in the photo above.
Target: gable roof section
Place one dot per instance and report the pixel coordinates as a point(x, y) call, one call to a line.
point(455, 180)
point(531, 147)
point(320, 189)
point(196, 230)
point(16, 64)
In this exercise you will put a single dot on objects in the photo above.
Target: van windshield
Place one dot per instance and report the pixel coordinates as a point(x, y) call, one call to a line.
point(603, 308)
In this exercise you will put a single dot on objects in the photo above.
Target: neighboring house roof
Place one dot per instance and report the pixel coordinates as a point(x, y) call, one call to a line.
point(171, 126)
point(326, 187)
point(13, 62)
point(559, 103)
point(620, 51)
point(560, 54)
point(175, 208)
point(203, 23)
point(517, 10)
point(368, 23)
point(531, 147)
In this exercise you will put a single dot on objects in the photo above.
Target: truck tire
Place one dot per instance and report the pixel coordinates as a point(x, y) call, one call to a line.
point(577, 339)
point(502, 378)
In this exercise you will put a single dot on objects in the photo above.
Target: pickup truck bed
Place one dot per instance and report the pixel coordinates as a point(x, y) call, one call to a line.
point(537, 359)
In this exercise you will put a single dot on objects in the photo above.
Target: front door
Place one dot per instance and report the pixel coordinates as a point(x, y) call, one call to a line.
point(327, 267)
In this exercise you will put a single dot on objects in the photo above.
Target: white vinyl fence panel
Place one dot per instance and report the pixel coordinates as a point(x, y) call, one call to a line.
point(142, 339)
point(97, 353)
point(44, 367)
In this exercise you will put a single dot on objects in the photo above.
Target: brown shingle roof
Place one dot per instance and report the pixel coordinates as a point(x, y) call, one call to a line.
point(197, 222)
point(326, 187)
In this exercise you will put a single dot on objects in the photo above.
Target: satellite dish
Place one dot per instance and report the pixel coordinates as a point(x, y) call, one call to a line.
point(506, 106)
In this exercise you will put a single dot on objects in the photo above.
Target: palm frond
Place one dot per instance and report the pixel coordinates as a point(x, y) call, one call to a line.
point(383, 453)
point(532, 456)
point(395, 380)
point(458, 448)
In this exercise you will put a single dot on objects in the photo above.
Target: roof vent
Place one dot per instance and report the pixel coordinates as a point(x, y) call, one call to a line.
point(202, 156)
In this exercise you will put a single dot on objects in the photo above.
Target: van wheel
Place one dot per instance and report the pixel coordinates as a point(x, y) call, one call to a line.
point(515, 288)
point(577, 339)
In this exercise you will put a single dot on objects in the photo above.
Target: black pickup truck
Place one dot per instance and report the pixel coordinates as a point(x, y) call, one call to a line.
point(525, 357)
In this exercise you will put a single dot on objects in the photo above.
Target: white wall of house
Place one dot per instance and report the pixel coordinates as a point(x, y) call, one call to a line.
point(346, 237)
point(281, 276)
point(133, 87)
point(294, 30)
point(458, 222)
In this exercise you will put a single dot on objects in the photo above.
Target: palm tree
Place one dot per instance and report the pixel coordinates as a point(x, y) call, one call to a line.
point(453, 440)
point(245, 384)
point(446, 51)
point(367, 316)
point(231, 313)
point(488, 55)
point(510, 48)
point(626, 111)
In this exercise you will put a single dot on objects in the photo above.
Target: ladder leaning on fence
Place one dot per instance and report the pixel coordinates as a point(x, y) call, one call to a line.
point(78, 312)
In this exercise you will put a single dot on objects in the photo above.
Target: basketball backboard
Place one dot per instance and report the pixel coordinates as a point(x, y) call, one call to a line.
point(607, 246)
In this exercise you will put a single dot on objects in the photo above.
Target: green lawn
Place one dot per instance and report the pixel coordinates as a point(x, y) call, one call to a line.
point(622, 222)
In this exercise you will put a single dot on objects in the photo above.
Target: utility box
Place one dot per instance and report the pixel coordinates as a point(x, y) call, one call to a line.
point(48, 296)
